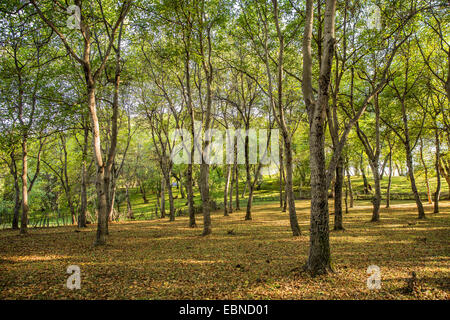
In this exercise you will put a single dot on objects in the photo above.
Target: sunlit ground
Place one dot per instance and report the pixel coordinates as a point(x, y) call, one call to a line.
point(256, 259)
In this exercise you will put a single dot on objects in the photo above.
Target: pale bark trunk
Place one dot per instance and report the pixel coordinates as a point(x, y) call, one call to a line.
point(102, 225)
point(388, 192)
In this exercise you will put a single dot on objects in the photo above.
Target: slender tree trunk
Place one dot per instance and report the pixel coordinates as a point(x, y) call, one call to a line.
point(24, 220)
point(130, 214)
point(83, 207)
point(281, 180)
point(163, 198)
point(171, 202)
point(181, 187)
point(376, 201)
point(17, 202)
point(204, 178)
point(388, 193)
point(339, 181)
point(236, 188)
point(289, 188)
point(438, 175)
point(102, 204)
point(346, 197)
point(409, 163)
point(230, 203)
point(248, 215)
point(225, 192)
point(190, 196)
point(350, 189)
point(363, 173)
point(427, 182)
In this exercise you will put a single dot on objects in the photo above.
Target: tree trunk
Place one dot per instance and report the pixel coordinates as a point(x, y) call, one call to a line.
point(388, 193)
point(319, 248)
point(236, 188)
point(83, 206)
point(24, 220)
point(409, 163)
point(163, 198)
point(101, 187)
point(230, 203)
point(204, 178)
point(281, 174)
point(143, 192)
point(248, 215)
point(376, 201)
point(130, 214)
point(427, 182)
point(17, 202)
point(225, 192)
point(438, 175)
point(339, 181)
point(171, 202)
point(350, 189)
point(363, 173)
point(290, 188)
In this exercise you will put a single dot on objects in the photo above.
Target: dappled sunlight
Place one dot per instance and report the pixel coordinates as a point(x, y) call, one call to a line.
point(257, 259)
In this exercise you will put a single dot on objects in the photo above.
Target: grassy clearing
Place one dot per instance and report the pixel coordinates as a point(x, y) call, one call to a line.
point(259, 260)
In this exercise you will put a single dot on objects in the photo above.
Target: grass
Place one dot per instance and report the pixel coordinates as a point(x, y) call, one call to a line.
point(260, 259)
point(270, 188)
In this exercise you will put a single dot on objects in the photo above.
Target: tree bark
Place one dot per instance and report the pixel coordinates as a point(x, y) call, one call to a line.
point(225, 192)
point(83, 206)
point(350, 189)
point(163, 198)
point(101, 187)
point(281, 179)
point(17, 202)
point(319, 249)
point(427, 182)
point(248, 215)
point(130, 214)
point(409, 163)
point(24, 220)
point(437, 193)
point(171, 202)
point(290, 188)
point(339, 181)
point(388, 192)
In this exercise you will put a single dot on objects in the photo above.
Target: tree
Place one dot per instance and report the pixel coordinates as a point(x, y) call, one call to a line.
point(92, 74)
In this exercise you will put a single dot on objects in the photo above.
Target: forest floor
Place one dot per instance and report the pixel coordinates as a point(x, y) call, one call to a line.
point(256, 259)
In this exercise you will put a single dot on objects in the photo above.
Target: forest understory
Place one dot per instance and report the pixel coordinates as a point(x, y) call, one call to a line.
point(258, 259)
